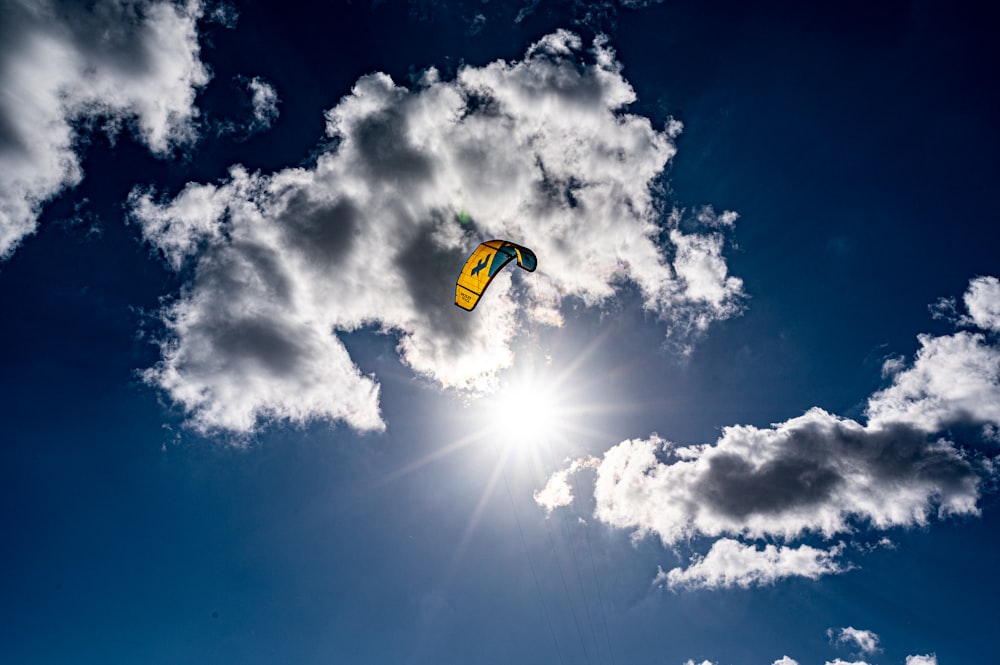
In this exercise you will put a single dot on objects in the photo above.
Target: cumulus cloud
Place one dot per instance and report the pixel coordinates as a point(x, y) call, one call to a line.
point(983, 302)
point(817, 475)
point(785, 660)
point(67, 63)
point(927, 659)
point(731, 563)
point(955, 379)
point(371, 235)
point(864, 640)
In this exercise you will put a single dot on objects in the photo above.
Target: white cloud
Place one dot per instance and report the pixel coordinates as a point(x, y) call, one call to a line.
point(955, 379)
point(704, 662)
point(838, 661)
point(557, 492)
point(928, 659)
point(983, 302)
point(374, 233)
point(702, 272)
point(191, 220)
point(944, 309)
point(64, 63)
point(785, 660)
point(865, 640)
point(730, 563)
point(264, 101)
point(816, 475)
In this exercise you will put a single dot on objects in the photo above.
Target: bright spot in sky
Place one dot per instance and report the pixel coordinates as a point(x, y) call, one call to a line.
point(528, 410)
point(544, 407)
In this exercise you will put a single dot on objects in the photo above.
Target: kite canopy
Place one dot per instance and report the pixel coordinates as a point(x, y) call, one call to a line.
point(484, 263)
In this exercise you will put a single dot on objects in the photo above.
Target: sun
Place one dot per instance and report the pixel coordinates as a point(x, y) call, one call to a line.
point(541, 409)
point(536, 414)
point(530, 409)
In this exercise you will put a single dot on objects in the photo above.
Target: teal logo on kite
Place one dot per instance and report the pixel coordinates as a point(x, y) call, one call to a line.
point(479, 266)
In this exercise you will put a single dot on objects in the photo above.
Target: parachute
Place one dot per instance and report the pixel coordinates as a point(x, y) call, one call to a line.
point(484, 263)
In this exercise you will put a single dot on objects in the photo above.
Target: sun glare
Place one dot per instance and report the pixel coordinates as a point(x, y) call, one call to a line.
point(542, 409)
point(531, 411)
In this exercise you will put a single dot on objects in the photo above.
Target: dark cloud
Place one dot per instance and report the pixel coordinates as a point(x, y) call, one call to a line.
point(815, 475)
point(558, 192)
point(15, 28)
point(260, 340)
point(902, 453)
point(110, 33)
point(10, 138)
point(808, 465)
point(242, 267)
point(383, 143)
point(429, 270)
point(734, 487)
point(324, 231)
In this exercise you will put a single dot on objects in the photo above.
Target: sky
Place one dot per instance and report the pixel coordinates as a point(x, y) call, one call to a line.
point(745, 411)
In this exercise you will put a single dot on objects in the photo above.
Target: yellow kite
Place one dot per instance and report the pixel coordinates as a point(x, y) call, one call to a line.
point(484, 263)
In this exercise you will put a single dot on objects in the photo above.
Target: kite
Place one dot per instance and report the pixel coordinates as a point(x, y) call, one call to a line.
point(484, 263)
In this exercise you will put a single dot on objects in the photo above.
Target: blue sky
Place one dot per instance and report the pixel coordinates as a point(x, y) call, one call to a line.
point(745, 412)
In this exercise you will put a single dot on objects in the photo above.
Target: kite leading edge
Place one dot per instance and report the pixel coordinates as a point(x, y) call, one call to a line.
point(484, 263)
